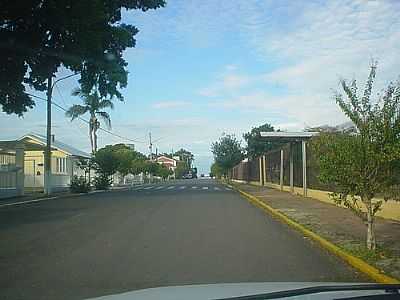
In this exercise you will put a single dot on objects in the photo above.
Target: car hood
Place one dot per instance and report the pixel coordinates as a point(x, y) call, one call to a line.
point(216, 291)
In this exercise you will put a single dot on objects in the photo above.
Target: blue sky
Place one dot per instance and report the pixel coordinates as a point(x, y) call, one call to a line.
point(201, 68)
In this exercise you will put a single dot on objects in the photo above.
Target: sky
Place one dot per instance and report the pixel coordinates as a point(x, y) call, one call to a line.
point(203, 68)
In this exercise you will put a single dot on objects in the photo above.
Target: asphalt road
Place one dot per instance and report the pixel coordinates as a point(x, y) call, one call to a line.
point(182, 232)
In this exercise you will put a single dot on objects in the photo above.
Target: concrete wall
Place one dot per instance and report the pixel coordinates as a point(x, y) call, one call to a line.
point(390, 209)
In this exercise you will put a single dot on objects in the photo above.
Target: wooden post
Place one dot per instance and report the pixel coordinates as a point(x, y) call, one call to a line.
point(260, 170)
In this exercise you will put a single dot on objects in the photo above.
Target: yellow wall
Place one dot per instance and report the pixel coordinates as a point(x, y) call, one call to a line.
point(390, 209)
point(39, 159)
point(33, 159)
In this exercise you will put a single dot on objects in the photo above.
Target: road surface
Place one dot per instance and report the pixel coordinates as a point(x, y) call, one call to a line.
point(180, 232)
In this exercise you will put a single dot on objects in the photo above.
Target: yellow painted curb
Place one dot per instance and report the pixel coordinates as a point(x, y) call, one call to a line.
point(356, 262)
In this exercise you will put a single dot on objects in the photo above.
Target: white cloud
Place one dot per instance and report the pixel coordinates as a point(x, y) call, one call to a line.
point(229, 81)
point(322, 43)
point(301, 110)
point(334, 40)
point(170, 104)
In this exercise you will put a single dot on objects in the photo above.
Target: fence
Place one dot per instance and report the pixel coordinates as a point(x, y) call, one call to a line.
point(275, 167)
point(8, 175)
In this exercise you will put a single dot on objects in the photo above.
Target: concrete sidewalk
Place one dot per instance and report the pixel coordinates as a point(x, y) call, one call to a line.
point(336, 224)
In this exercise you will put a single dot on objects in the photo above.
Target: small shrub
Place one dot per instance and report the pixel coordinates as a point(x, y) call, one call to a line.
point(102, 182)
point(79, 185)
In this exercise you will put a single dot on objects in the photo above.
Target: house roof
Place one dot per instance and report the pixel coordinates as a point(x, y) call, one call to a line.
point(56, 144)
point(162, 157)
point(6, 146)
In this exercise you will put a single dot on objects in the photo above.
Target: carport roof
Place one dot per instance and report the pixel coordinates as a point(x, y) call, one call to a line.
point(288, 136)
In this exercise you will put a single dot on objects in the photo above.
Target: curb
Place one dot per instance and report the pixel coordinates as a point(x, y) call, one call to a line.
point(60, 197)
point(355, 262)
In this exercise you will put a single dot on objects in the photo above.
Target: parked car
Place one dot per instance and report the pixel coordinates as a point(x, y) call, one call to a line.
point(188, 176)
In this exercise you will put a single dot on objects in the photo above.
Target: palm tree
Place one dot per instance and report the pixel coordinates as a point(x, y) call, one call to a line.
point(92, 104)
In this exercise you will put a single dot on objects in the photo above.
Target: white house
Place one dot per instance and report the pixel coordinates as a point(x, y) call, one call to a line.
point(168, 162)
point(24, 159)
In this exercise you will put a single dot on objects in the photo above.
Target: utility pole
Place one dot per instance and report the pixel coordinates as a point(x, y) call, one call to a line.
point(47, 152)
point(150, 147)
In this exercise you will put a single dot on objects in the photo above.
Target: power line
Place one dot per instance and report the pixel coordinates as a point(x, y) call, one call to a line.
point(87, 122)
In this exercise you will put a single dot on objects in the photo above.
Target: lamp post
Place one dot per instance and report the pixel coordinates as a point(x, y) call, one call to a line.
point(47, 152)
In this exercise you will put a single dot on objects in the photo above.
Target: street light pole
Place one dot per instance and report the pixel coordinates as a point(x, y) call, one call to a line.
point(47, 153)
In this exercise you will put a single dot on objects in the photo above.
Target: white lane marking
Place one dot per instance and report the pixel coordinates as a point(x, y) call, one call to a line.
point(28, 201)
point(160, 187)
point(182, 187)
point(228, 189)
point(194, 187)
point(170, 187)
point(205, 187)
point(217, 188)
point(148, 188)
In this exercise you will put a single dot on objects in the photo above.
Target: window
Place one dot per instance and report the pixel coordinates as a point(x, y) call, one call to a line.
point(61, 165)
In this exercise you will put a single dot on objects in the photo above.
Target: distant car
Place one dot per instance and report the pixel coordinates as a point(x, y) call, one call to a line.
point(202, 175)
point(187, 176)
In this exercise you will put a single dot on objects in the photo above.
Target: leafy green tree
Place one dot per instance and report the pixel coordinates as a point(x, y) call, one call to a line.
point(186, 156)
point(216, 170)
point(127, 158)
point(367, 164)
point(151, 167)
point(105, 161)
point(227, 152)
point(256, 145)
point(163, 171)
point(94, 105)
point(182, 168)
point(86, 37)
point(137, 166)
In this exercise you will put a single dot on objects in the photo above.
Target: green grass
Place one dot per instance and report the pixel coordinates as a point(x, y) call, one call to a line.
point(365, 254)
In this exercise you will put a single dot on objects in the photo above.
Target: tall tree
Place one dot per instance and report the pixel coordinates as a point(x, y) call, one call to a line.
point(256, 145)
point(366, 164)
point(94, 105)
point(227, 152)
point(182, 168)
point(38, 37)
point(105, 161)
point(185, 155)
point(216, 170)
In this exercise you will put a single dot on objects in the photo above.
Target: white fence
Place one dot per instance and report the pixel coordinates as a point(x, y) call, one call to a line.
point(8, 176)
